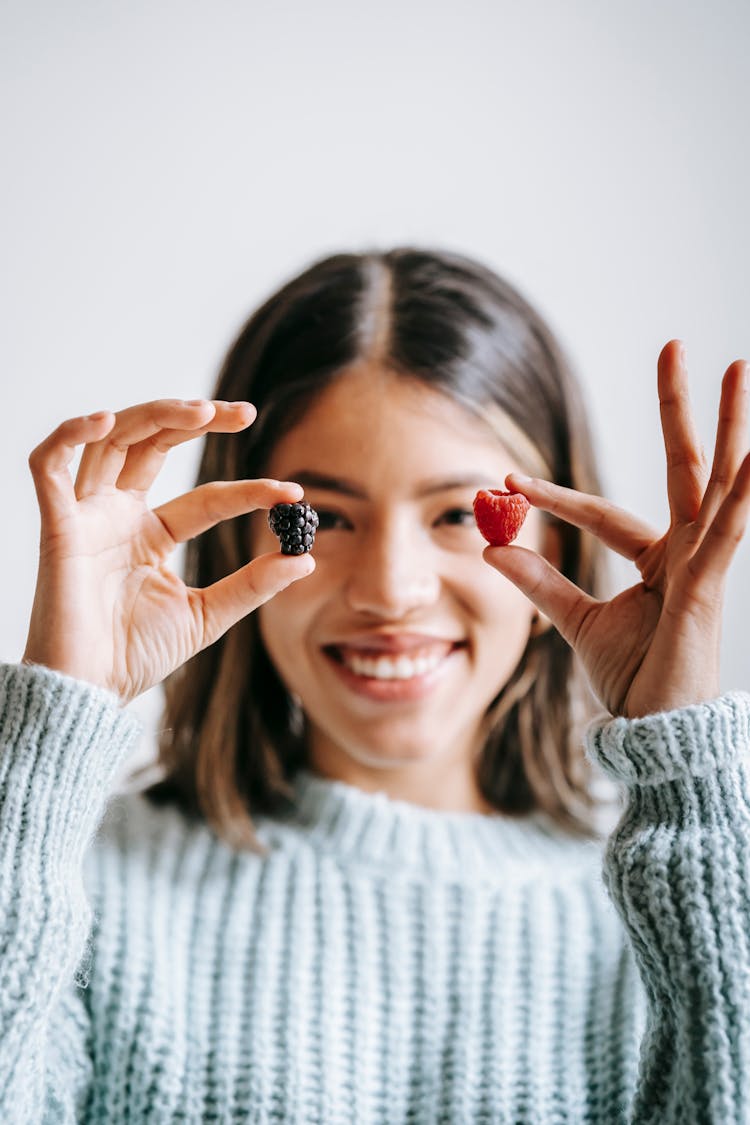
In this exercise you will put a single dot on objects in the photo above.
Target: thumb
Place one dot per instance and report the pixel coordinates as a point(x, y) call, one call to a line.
point(231, 598)
point(555, 596)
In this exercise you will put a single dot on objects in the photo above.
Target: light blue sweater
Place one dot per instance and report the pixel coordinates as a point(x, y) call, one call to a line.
point(384, 963)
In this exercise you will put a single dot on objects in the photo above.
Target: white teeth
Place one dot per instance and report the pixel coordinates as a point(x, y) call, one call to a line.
point(390, 668)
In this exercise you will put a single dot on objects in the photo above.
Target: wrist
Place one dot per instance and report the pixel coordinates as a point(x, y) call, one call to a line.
point(61, 668)
point(692, 741)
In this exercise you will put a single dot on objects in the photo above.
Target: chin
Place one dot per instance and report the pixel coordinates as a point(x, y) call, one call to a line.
point(391, 753)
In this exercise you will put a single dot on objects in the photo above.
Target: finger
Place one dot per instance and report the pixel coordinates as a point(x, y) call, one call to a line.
point(232, 598)
point(194, 512)
point(50, 461)
point(731, 438)
point(613, 526)
point(711, 561)
point(102, 462)
point(686, 464)
point(553, 595)
point(144, 459)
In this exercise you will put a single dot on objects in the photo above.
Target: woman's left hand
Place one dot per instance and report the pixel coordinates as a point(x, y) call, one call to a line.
point(656, 645)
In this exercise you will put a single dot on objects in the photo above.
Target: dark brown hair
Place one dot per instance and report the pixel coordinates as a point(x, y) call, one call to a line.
point(231, 740)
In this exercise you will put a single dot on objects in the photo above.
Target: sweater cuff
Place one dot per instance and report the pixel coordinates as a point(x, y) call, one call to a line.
point(62, 742)
point(692, 741)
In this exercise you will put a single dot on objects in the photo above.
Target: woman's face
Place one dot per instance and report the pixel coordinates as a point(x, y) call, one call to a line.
point(403, 635)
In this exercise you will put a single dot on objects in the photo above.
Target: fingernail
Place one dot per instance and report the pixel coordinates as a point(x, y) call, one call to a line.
point(683, 354)
point(99, 414)
point(194, 401)
point(521, 478)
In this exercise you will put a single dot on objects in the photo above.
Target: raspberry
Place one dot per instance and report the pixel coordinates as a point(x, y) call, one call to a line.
point(295, 526)
point(500, 515)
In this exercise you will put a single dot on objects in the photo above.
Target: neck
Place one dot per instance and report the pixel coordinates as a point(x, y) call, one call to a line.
point(423, 843)
point(444, 784)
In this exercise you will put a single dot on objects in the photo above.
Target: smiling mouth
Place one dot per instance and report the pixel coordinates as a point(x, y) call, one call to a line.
point(374, 665)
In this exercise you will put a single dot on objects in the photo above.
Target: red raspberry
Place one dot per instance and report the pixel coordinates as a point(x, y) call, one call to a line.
point(500, 515)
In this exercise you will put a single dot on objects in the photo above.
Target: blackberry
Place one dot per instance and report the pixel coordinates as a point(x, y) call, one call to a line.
point(295, 526)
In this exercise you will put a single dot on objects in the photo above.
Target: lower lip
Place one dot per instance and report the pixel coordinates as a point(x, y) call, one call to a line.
point(393, 691)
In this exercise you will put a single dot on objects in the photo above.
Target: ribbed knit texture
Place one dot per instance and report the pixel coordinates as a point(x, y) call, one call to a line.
point(384, 963)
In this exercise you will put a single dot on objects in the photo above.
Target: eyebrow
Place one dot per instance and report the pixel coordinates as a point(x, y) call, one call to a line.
point(347, 488)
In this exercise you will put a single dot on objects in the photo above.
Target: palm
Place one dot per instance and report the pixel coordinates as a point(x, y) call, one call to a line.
point(654, 646)
point(114, 564)
point(108, 607)
point(634, 615)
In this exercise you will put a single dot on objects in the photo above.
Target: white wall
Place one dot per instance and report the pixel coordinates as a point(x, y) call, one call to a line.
point(167, 164)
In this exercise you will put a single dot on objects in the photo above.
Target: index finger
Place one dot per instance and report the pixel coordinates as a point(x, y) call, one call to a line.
point(613, 526)
point(145, 458)
point(554, 595)
point(102, 461)
point(203, 507)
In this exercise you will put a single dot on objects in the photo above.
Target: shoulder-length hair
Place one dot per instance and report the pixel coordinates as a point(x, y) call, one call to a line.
point(231, 741)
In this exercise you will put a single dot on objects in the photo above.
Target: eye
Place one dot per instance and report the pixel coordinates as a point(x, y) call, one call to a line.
point(331, 521)
point(458, 517)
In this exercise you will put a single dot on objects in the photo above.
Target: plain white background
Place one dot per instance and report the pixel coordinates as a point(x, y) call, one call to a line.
point(166, 165)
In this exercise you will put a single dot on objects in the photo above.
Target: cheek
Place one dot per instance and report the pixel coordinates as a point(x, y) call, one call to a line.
point(497, 606)
point(286, 625)
point(283, 619)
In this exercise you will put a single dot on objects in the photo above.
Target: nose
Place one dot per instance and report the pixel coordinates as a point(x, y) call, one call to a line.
point(395, 573)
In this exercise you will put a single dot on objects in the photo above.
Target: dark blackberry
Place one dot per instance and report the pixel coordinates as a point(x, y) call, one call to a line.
point(295, 526)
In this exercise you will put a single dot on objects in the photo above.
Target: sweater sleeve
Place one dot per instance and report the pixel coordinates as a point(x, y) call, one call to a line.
point(677, 868)
point(61, 745)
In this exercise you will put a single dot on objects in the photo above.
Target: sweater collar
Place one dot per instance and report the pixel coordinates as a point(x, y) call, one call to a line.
point(373, 828)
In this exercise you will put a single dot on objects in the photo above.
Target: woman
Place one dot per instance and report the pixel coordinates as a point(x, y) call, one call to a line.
point(368, 887)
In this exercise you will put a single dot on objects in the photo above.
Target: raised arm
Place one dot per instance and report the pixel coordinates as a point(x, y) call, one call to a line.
point(677, 868)
point(109, 620)
point(678, 865)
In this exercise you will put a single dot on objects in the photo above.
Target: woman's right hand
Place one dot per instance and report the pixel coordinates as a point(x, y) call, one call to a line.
point(107, 607)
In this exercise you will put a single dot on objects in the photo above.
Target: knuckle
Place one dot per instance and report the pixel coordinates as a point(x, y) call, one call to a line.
point(680, 458)
point(40, 455)
point(36, 460)
point(600, 516)
point(203, 615)
point(732, 535)
point(573, 625)
point(211, 499)
point(251, 581)
point(158, 444)
point(738, 492)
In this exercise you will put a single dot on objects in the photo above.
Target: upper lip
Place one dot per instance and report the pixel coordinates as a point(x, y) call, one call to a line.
point(392, 642)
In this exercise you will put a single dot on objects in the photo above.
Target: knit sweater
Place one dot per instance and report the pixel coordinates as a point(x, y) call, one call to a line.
point(383, 963)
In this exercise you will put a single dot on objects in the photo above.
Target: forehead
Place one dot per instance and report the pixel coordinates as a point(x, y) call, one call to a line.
point(372, 424)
